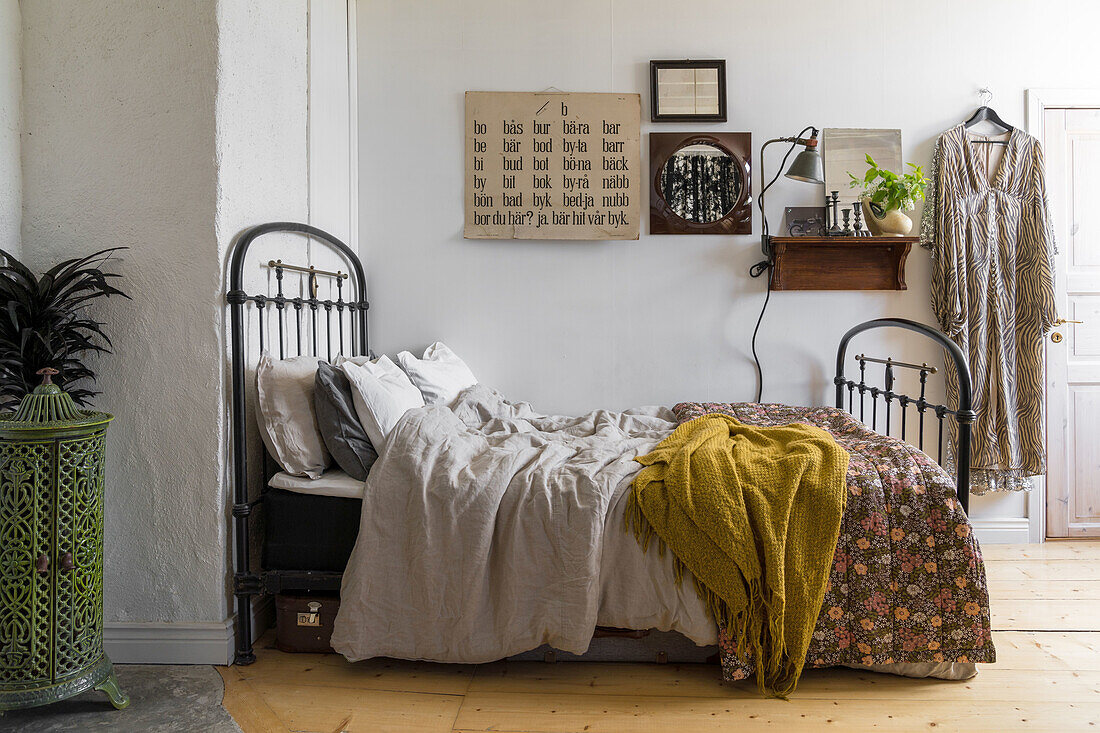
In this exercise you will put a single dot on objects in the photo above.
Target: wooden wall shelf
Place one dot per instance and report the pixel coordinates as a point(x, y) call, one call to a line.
point(840, 263)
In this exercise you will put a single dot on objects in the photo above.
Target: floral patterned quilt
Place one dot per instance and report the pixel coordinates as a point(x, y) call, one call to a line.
point(907, 583)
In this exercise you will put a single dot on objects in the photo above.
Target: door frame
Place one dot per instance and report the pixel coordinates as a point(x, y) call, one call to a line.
point(1038, 101)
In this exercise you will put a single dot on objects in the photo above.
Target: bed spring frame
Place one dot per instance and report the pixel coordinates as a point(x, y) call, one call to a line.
point(964, 415)
point(344, 332)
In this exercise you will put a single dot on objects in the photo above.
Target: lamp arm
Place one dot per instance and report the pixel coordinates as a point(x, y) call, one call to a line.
point(765, 237)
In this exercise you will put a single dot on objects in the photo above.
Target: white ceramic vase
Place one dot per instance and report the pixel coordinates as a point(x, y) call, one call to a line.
point(892, 223)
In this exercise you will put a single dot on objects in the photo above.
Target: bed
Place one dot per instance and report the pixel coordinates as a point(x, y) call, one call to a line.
point(312, 527)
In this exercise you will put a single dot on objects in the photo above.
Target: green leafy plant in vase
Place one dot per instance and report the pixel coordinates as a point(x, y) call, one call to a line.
point(887, 195)
point(45, 323)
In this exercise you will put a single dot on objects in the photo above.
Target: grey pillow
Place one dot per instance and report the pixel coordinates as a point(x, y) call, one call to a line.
point(339, 425)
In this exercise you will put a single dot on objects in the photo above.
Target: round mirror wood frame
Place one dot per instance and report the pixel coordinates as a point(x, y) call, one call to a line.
point(662, 146)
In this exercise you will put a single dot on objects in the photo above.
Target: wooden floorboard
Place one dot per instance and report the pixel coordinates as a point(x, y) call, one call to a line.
point(1045, 602)
point(588, 714)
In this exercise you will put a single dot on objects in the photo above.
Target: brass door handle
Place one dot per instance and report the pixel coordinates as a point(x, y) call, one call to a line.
point(1063, 321)
point(42, 564)
point(67, 561)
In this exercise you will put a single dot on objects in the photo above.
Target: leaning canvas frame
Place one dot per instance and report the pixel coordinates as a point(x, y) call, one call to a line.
point(845, 150)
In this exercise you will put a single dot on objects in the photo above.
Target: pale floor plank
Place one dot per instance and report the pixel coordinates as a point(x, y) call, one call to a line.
point(1052, 550)
point(332, 670)
point(1045, 614)
point(247, 706)
point(583, 678)
point(539, 713)
point(1045, 589)
point(1043, 651)
point(1024, 570)
point(369, 711)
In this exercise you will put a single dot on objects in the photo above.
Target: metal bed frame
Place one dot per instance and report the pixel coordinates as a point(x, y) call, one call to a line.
point(964, 414)
point(248, 582)
point(349, 338)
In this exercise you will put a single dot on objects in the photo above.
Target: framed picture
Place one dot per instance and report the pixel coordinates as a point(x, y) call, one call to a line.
point(804, 221)
point(688, 91)
point(700, 183)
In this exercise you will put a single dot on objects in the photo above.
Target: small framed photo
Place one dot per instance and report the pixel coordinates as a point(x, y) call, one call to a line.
point(688, 91)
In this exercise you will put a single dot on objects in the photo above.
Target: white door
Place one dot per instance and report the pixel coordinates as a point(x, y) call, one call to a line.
point(1072, 148)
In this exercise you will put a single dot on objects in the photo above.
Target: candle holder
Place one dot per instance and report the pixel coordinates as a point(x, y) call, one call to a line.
point(834, 204)
point(857, 213)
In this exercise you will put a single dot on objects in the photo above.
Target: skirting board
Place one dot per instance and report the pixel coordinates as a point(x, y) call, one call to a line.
point(209, 642)
point(1009, 530)
point(203, 642)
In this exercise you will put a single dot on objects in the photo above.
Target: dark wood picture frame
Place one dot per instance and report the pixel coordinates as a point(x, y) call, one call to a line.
point(654, 98)
point(662, 219)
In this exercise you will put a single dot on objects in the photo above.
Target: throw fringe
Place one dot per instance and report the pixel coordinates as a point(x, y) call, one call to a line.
point(756, 630)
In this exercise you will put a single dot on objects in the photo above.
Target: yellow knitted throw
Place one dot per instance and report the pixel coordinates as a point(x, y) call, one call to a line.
point(753, 513)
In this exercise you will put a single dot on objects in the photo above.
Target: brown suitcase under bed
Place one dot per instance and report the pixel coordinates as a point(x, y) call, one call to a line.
point(303, 622)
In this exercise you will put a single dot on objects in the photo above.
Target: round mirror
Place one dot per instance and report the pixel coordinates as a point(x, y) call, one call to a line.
point(701, 183)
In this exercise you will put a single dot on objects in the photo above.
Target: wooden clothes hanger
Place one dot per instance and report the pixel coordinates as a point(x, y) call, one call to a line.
point(985, 113)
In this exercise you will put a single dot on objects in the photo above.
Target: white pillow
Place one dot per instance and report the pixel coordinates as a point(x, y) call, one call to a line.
point(382, 393)
point(439, 376)
point(360, 360)
point(288, 421)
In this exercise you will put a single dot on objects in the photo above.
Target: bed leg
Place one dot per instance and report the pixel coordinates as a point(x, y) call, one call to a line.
point(244, 591)
point(245, 655)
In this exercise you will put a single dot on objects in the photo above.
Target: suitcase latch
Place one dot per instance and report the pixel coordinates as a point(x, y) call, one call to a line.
point(313, 618)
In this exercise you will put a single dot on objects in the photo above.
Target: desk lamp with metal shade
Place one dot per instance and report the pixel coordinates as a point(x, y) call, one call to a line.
point(807, 167)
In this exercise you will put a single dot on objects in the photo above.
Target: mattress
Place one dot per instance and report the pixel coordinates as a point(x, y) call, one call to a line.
point(332, 482)
point(311, 524)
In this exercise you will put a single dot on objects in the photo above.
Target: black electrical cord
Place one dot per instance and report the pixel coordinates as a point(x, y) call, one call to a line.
point(766, 265)
point(767, 296)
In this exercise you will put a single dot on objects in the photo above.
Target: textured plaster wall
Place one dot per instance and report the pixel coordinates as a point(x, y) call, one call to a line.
point(120, 150)
point(11, 110)
point(168, 128)
point(262, 112)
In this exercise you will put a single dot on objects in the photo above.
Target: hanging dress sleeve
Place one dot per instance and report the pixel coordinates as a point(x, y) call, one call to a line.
point(939, 238)
point(931, 191)
point(1040, 263)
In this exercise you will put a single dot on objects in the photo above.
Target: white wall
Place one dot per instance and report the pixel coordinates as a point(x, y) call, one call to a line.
point(332, 164)
point(571, 326)
point(11, 111)
point(119, 150)
point(168, 128)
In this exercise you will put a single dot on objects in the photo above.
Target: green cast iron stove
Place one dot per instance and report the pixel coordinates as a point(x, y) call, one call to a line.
point(51, 551)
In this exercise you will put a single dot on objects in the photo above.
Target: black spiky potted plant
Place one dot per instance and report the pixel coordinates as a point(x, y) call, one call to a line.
point(46, 323)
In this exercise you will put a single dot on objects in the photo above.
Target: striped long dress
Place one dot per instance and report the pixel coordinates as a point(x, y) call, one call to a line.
point(993, 293)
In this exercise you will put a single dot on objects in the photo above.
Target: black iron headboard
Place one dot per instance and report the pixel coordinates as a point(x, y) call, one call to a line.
point(307, 340)
point(964, 414)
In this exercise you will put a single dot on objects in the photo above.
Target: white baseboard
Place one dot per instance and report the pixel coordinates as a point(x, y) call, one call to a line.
point(201, 642)
point(1008, 530)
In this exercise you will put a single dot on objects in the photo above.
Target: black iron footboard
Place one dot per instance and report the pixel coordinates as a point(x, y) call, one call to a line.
point(847, 391)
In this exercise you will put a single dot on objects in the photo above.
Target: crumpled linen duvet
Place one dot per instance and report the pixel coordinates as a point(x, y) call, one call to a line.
point(489, 529)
